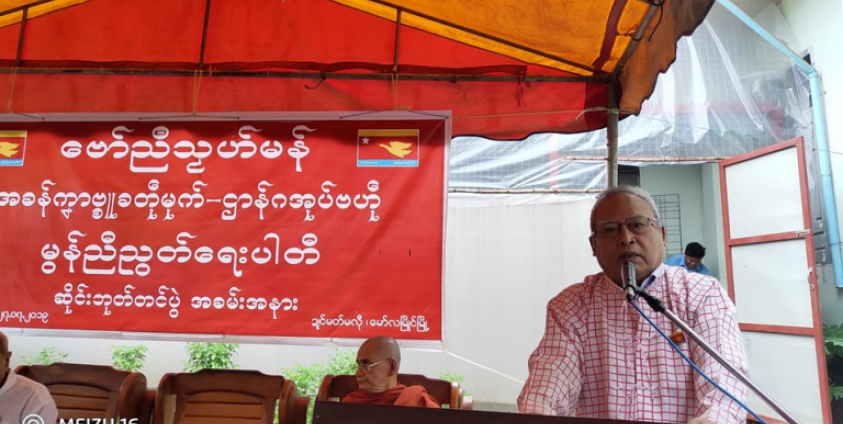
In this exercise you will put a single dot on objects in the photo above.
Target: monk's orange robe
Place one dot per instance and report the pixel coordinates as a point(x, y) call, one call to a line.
point(399, 395)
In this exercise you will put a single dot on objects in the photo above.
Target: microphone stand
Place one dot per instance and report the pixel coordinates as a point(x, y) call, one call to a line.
point(657, 306)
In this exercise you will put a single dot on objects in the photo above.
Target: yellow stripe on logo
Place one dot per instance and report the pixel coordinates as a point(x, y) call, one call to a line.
point(388, 133)
point(16, 134)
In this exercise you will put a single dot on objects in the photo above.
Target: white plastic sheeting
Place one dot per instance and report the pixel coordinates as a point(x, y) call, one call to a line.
point(729, 92)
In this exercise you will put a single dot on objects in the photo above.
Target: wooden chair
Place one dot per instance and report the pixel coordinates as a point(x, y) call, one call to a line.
point(336, 387)
point(228, 397)
point(90, 391)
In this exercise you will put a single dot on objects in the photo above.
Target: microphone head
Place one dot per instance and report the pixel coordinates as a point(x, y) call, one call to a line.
point(628, 273)
point(630, 284)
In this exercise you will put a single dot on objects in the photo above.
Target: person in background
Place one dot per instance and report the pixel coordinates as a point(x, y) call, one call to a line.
point(691, 259)
point(21, 397)
point(378, 360)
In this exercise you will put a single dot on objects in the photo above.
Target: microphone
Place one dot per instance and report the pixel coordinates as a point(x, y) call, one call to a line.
point(630, 284)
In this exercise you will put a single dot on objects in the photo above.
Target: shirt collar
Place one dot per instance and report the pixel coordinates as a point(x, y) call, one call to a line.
point(658, 272)
point(653, 277)
point(10, 381)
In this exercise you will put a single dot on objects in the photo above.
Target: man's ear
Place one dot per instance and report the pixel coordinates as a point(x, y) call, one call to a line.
point(593, 248)
point(393, 367)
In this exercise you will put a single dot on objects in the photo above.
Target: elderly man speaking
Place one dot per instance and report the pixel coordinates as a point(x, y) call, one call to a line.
point(599, 358)
point(378, 360)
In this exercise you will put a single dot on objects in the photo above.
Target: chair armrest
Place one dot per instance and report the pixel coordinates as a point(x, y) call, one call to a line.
point(300, 410)
point(468, 402)
point(162, 402)
point(131, 396)
point(325, 388)
point(146, 406)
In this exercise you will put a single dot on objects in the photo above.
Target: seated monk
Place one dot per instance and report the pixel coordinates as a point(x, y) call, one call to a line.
point(377, 377)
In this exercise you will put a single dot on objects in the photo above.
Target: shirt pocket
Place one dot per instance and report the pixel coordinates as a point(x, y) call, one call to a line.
point(663, 362)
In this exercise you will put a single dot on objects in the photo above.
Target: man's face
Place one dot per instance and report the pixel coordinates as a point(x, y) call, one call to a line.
point(378, 377)
point(645, 250)
point(692, 262)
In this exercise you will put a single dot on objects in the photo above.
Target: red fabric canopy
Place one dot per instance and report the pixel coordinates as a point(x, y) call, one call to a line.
point(162, 57)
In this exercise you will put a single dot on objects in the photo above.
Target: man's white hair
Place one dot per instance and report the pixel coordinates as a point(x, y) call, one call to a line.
point(630, 190)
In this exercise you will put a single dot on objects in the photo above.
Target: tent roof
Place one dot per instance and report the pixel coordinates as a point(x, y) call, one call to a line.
point(505, 69)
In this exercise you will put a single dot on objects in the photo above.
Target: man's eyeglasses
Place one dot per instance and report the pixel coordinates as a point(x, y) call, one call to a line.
point(368, 367)
point(636, 225)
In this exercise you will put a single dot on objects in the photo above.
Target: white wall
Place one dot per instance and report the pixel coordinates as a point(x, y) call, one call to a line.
point(818, 28)
point(713, 222)
point(686, 181)
point(503, 264)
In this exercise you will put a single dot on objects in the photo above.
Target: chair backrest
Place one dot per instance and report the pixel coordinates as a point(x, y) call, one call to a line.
point(226, 396)
point(90, 391)
point(336, 387)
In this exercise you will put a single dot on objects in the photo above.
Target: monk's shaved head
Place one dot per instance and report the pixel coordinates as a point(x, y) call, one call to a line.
point(385, 346)
point(378, 360)
point(4, 343)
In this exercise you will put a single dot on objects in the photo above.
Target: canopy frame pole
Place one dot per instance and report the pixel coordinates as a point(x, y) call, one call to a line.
point(23, 7)
point(612, 135)
point(613, 103)
point(372, 76)
point(205, 22)
point(19, 54)
point(499, 40)
point(637, 37)
point(397, 42)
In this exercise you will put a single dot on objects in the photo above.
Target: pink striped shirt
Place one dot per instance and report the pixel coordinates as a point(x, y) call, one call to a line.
point(600, 358)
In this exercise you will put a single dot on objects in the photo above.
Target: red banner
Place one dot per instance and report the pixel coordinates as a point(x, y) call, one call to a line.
point(305, 229)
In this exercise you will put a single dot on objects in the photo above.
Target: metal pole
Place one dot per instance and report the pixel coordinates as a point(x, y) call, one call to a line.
point(378, 73)
point(612, 135)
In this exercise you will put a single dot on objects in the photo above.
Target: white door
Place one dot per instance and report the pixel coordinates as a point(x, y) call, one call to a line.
point(773, 281)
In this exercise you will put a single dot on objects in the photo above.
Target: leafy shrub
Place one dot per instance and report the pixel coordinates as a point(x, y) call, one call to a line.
point(308, 379)
point(451, 377)
point(833, 335)
point(210, 355)
point(128, 358)
point(454, 377)
point(49, 355)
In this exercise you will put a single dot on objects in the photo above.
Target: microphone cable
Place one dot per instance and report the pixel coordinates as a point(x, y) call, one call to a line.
point(691, 363)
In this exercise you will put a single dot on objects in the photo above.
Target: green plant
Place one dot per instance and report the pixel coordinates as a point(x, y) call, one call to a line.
point(49, 355)
point(833, 335)
point(210, 355)
point(451, 377)
point(308, 379)
point(454, 377)
point(128, 358)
